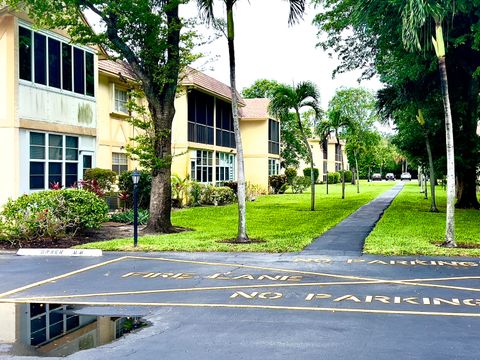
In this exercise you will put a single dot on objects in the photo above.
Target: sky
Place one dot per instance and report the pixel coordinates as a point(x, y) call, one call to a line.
point(268, 48)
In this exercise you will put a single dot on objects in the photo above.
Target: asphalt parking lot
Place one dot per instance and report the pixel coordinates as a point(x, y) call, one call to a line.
point(268, 306)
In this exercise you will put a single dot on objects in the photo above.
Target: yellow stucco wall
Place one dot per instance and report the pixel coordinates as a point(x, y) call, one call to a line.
point(113, 129)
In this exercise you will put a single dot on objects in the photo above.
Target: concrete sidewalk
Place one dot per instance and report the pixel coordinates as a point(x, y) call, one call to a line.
point(348, 237)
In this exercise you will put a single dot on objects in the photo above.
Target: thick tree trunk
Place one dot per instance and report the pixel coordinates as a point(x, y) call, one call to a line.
point(467, 190)
point(433, 207)
point(450, 216)
point(242, 236)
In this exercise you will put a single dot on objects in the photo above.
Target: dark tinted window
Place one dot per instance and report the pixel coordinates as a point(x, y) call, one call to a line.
point(54, 63)
point(40, 59)
point(67, 67)
point(79, 74)
point(37, 175)
point(90, 76)
point(25, 53)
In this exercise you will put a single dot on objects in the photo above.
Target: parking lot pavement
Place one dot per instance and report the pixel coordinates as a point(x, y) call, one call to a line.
point(268, 306)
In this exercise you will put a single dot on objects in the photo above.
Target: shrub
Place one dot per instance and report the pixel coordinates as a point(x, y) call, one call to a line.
point(333, 178)
point(104, 178)
point(232, 185)
point(290, 173)
point(253, 191)
point(300, 183)
point(276, 182)
point(217, 195)
point(348, 175)
point(196, 190)
point(125, 185)
point(127, 216)
point(179, 189)
point(52, 214)
point(307, 173)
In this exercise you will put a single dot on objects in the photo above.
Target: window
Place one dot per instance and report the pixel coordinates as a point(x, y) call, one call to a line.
point(67, 67)
point(40, 51)
point(338, 155)
point(54, 77)
point(121, 99)
point(87, 163)
point(273, 167)
point(54, 63)
point(200, 117)
point(225, 167)
point(273, 137)
point(119, 163)
point(25, 53)
point(224, 123)
point(53, 159)
point(48, 321)
point(201, 166)
point(79, 71)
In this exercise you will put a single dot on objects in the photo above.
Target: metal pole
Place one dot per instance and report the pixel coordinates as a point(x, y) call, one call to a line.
point(135, 215)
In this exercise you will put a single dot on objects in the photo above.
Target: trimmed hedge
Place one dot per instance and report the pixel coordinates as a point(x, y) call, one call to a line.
point(278, 183)
point(333, 178)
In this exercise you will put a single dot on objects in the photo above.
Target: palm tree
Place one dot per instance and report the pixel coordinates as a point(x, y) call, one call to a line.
point(287, 98)
point(297, 8)
point(415, 15)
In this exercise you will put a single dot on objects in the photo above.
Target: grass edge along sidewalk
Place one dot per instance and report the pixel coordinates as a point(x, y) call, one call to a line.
point(408, 228)
point(282, 223)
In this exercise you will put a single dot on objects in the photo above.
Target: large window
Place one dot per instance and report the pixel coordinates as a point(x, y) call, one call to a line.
point(49, 321)
point(202, 166)
point(224, 124)
point(338, 153)
point(273, 167)
point(53, 159)
point(200, 117)
point(121, 100)
point(225, 167)
point(273, 137)
point(54, 63)
point(119, 163)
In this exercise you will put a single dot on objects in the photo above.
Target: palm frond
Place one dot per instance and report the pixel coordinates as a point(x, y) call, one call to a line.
point(205, 8)
point(297, 9)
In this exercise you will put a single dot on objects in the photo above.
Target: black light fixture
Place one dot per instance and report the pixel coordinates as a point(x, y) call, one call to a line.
point(135, 180)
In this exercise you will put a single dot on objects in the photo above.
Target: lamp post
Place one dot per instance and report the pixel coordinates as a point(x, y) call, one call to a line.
point(135, 180)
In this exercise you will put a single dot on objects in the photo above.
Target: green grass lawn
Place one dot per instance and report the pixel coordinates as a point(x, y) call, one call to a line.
point(408, 228)
point(283, 222)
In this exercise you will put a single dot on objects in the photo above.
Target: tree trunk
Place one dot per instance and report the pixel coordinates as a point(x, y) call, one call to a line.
point(433, 207)
point(162, 110)
point(425, 185)
point(450, 217)
point(357, 173)
point(310, 159)
point(341, 165)
point(354, 176)
point(369, 172)
point(242, 236)
point(467, 190)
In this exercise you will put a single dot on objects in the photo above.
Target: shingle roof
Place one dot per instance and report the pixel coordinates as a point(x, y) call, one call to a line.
point(116, 68)
point(194, 77)
point(255, 109)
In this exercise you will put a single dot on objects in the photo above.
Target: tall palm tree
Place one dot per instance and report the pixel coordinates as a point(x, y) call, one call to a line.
point(415, 15)
point(297, 8)
point(287, 98)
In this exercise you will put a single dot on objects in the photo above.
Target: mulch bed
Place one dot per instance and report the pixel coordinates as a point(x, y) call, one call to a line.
point(108, 231)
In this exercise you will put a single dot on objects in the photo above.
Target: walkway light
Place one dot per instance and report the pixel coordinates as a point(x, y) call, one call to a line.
point(135, 180)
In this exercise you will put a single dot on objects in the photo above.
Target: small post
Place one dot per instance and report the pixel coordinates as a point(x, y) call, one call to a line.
point(135, 180)
point(327, 182)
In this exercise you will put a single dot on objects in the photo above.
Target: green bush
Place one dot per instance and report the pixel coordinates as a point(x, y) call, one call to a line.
point(105, 178)
point(300, 183)
point(333, 178)
point(290, 173)
point(232, 185)
point(127, 216)
point(217, 195)
point(348, 175)
point(51, 214)
point(277, 183)
point(125, 185)
point(307, 173)
point(179, 190)
point(196, 190)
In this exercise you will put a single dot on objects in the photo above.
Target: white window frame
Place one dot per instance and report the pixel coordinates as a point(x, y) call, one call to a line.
point(117, 160)
point(206, 161)
point(224, 160)
point(120, 104)
point(273, 167)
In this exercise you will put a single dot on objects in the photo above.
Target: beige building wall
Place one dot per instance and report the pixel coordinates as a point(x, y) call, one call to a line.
point(180, 144)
